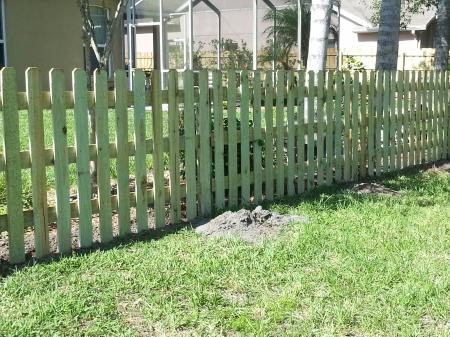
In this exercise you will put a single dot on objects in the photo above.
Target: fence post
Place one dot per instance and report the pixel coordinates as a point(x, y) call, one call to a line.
point(279, 118)
point(245, 138)
point(268, 161)
point(232, 140)
point(257, 153)
point(11, 149)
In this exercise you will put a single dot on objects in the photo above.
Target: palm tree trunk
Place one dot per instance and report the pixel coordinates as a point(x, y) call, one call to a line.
point(442, 35)
point(387, 49)
point(318, 38)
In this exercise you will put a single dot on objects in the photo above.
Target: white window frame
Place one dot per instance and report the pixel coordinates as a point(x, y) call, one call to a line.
point(3, 28)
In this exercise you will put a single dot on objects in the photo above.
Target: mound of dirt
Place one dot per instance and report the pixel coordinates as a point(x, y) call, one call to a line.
point(250, 226)
point(374, 189)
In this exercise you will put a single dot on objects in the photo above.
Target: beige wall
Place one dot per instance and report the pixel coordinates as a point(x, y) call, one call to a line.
point(47, 34)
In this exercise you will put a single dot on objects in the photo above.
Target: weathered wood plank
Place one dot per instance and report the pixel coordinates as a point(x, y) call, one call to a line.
point(123, 171)
point(445, 107)
point(320, 128)
point(140, 126)
point(103, 163)
point(404, 121)
point(363, 128)
point(355, 155)
point(174, 148)
point(205, 145)
point(419, 126)
point(371, 113)
point(379, 122)
point(158, 151)
point(339, 127)
point(301, 132)
point(258, 141)
point(329, 129)
point(190, 147)
point(310, 138)
point(219, 148)
point(386, 117)
point(11, 149)
point(423, 117)
point(38, 176)
point(413, 121)
point(291, 134)
point(81, 113)
point(347, 121)
point(393, 115)
point(268, 159)
point(245, 138)
point(232, 139)
point(279, 118)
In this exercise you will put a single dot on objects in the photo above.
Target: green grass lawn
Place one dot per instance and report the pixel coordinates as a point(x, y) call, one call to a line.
point(362, 266)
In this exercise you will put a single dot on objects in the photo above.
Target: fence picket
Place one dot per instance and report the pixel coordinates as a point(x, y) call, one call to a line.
point(174, 148)
point(419, 129)
point(431, 119)
point(346, 136)
point(371, 115)
point(290, 134)
point(37, 148)
point(386, 118)
point(436, 120)
point(258, 141)
point(245, 138)
point(320, 128)
point(205, 145)
point(219, 174)
point(363, 128)
point(379, 122)
point(301, 133)
point(355, 127)
point(190, 147)
point(158, 152)
point(103, 165)
point(408, 138)
point(404, 125)
point(329, 128)
point(232, 140)
point(394, 115)
point(280, 116)
point(11, 150)
point(123, 164)
point(413, 119)
point(268, 159)
point(445, 108)
point(424, 116)
point(81, 113)
point(140, 126)
point(310, 137)
point(339, 128)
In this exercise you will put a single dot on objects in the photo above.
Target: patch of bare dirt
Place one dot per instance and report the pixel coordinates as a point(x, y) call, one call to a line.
point(440, 167)
point(250, 226)
point(375, 189)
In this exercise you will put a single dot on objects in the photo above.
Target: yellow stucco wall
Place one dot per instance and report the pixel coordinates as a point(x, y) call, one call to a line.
point(47, 34)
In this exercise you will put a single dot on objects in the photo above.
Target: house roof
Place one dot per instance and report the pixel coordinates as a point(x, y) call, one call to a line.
point(360, 12)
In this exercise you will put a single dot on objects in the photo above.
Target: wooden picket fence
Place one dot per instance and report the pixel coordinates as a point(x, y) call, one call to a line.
point(241, 138)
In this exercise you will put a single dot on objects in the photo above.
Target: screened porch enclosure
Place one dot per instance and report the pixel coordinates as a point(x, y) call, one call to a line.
point(166, 34)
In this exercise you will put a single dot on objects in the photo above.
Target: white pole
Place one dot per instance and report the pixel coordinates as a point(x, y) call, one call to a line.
point(255, 34)
point(131, 11)
point(191, 36)
point(219, 36)
point(299, 33)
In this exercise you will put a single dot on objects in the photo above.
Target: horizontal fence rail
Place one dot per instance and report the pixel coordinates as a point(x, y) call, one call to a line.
point(207, 141)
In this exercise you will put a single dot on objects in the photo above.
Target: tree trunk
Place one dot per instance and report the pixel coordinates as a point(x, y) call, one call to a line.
point(442, 35)
point(387, 49)
point(318, 38)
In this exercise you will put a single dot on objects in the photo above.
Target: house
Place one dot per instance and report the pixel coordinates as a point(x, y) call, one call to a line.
point(358, 36)
point(47, 34)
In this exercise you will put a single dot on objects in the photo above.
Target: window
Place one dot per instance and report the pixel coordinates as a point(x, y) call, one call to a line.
point(2, 35)
point(99, 17)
